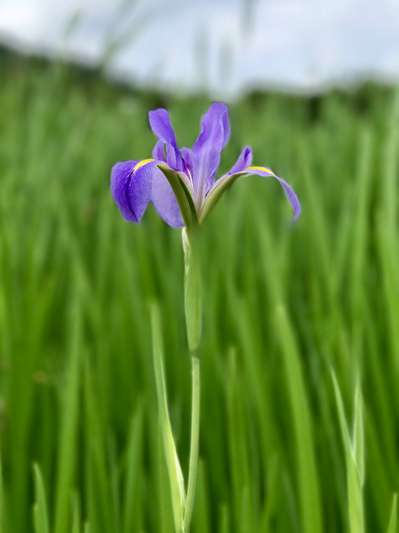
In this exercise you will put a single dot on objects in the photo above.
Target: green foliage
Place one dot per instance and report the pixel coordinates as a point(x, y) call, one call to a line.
point(283, 304)
point(354, 455)
point(393, 521)
point(40, 512)
point(175, 474)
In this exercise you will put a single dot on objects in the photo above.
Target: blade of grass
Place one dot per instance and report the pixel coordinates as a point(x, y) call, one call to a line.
point(175, 474)
point(354, 458)
point(393, 520)
point(67, 443)
point(308, 481)
point(76, 516)
point(132, 514)
point(3, 526)
point(40, 510)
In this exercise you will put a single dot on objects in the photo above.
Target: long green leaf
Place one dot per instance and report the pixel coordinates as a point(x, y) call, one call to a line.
point(3, 521)
point(393, 520)
point(40, 509)
point(176, 479)
point(308, 481)
point(354, 458)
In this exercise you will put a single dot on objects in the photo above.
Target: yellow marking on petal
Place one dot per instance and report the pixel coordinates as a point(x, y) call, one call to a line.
point(262, 169)
point(141, 164)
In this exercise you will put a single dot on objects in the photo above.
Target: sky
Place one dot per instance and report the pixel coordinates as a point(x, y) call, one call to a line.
point(224, 47)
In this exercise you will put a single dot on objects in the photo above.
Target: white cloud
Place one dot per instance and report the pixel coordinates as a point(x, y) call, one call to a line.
point(300, 45)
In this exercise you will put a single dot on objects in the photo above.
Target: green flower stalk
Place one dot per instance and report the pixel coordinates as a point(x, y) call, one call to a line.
point(193, 313)
point(181, 184)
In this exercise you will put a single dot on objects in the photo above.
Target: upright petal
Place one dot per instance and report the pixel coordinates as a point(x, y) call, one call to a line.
point(131, 189)
point(161, 125)
point(158, 152)
point(243, 161)
point(188, 163)
point(217, 117)
point(213, 137)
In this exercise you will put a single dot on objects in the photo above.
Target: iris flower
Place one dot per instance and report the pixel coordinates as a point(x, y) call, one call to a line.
point(182, 185)
point(181, 182)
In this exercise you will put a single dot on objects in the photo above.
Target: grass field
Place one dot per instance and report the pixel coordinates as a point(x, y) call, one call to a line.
point(285, 306)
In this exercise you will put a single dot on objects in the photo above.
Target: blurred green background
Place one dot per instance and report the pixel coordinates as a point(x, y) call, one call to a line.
point(285, 305)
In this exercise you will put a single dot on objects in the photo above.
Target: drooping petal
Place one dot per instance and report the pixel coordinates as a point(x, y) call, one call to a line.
point(164, 199)
point(226, 181)
point(161, 193)
point(244, 160)
point(288, 190)
point(213, 137)
point(131, 190)
point(135, 183)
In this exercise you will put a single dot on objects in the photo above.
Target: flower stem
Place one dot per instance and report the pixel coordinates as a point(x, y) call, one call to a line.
point(182, 501)
point(194, 442)
point(193, 315)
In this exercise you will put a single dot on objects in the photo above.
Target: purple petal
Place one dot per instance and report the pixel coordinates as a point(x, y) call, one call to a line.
point(131, 190)
point(158, 152)
point(288, 190)
point(161, 126)
point(291, 197)
point(244, 160)
point(188, 163)
point(227, 180)
point(164, 199)
point(173, 157)
point(213, 137)
point(217, 116)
